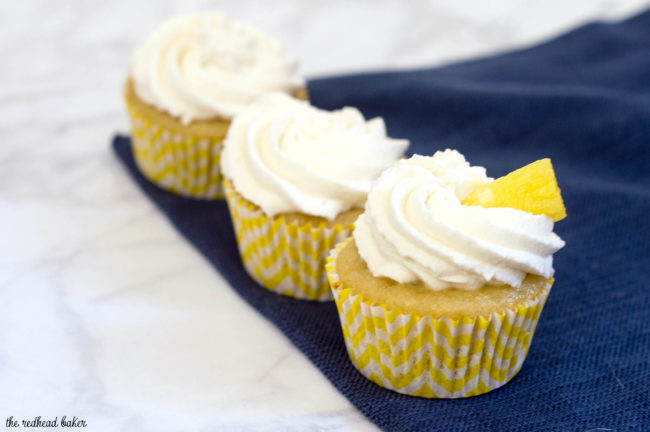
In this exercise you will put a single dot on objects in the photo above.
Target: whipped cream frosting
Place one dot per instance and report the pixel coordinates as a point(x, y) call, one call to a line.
point(415, 228)
point(285, 155)
point(202, 66)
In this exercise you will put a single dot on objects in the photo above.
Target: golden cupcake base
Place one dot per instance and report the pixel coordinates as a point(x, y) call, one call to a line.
point(433, 351)
point(181, 158)
point(286, 254)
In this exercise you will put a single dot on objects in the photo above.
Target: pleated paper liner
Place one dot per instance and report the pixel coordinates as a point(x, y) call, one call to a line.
point(183, 159)
point(432, 357)
point(285, 257)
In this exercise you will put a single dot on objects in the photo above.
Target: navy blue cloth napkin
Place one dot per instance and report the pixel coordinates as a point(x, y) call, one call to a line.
point(583, 100)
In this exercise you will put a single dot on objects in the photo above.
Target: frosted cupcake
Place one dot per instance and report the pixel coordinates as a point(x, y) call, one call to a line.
point(439, 297)
point(187, 80)
point(296, 178)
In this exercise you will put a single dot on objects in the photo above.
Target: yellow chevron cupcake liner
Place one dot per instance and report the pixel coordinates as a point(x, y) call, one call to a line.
point(172, 157)
point(433, 357)
point(287, 258)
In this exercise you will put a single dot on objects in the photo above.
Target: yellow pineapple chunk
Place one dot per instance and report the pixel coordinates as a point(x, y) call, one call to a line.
point(532, 188)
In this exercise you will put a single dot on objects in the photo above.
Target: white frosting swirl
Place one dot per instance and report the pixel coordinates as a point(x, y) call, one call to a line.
point(202, 66)
point(287, 156)
point(415, 227)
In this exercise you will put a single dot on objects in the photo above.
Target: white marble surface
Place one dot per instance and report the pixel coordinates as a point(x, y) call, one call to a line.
point(105, 312)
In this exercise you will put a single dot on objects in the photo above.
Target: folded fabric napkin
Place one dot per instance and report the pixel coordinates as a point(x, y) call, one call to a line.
point(583, 100)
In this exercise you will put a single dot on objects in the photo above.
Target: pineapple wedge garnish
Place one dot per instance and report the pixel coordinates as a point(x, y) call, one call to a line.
point(532, 188)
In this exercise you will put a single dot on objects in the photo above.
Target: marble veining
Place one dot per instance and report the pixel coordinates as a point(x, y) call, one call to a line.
point(106, 313)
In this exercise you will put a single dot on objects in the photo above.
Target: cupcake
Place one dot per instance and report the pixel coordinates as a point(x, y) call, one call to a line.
point(441, 285)
point(296, 177)
point(191, 76)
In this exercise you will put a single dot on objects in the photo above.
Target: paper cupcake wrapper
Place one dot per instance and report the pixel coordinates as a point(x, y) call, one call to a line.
point(175, 160)
point(284, 257)
point(433, 357)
